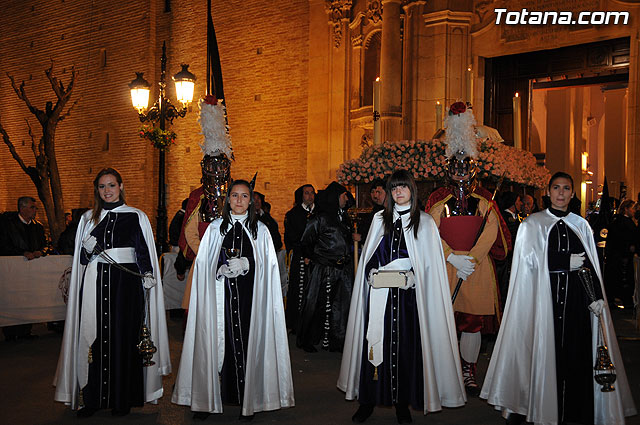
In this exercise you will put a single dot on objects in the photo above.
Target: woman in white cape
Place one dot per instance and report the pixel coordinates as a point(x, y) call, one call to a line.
point(541, 368)
point(401, 347)
point(235, 347)
point(100, 365)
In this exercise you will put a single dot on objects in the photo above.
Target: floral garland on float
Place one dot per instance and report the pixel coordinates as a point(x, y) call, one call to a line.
point(427, 159)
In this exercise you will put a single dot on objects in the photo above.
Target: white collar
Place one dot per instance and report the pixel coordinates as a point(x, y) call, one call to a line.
point(397, 209)
point(308, 208)
point(23, 220)
point(240, 217)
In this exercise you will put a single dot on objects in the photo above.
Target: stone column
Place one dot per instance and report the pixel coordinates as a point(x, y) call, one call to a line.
point(445, 52)
point(391, 71)
point(415, 113)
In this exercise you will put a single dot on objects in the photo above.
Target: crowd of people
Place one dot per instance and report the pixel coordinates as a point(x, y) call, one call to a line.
point(408, 319)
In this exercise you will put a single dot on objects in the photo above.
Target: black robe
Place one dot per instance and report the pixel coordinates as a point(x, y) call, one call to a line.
point(238, 297)
point(574, 365)
point(400, 375)
point(295, 222)
point(115, 372)
point(622, 240)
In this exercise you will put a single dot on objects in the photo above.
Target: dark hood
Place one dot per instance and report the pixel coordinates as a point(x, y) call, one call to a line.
point(328, 199)
point(297, 195)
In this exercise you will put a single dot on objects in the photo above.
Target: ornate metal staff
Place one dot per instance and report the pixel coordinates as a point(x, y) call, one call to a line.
point(604, 371)
point(479, 233)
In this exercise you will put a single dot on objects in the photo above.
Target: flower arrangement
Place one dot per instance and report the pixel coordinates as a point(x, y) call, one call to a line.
point(160, 139)
point(426, 160)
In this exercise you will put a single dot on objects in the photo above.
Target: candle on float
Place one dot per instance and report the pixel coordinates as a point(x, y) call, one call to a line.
point(376, 111)
point(438, 115)
point(517, 122)
point(469, 94)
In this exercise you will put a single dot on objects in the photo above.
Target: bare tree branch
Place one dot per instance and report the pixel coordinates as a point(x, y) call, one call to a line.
point(66, 114)
point(12, 149)
point(22, 95)
point(33, 139)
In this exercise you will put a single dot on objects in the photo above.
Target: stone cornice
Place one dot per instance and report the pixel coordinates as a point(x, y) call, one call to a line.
point(447, 17)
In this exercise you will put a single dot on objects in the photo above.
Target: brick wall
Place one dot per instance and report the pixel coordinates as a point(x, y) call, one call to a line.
point(264, 52)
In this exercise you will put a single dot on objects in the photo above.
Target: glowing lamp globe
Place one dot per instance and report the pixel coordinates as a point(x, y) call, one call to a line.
point(139, 92)
point(185, 83)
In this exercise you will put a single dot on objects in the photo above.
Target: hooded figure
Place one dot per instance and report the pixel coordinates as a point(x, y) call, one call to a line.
point(327, 246)
point(295, 221)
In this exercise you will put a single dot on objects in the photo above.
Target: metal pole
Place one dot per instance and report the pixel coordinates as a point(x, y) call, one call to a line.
point(161, 231)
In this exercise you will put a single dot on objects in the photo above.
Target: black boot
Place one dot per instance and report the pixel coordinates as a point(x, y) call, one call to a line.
point(120, 412)
point(86, 412)
point(201, 416)
point(363, 412)
point(403, 414)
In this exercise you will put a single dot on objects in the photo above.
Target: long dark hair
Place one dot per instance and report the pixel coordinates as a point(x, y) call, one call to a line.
point(252, 223)
point(401, 178)
point(98, 203)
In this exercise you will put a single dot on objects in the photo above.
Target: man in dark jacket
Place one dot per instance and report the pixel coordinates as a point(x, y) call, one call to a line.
point(295, 221)
point(327, 245)
point(21, 233)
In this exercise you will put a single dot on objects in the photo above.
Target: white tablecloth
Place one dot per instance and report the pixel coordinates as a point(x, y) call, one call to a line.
point(29, 290)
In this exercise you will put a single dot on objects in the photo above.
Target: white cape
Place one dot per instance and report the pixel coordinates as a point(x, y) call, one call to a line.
point(522, 371)
point(268, 381)
point(69, 372)
point(443, 384)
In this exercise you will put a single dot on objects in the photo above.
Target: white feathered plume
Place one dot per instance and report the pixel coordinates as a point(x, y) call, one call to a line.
point(460, 135)
point(214, 129)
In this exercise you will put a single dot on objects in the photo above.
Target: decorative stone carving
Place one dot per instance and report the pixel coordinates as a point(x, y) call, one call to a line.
point(356, 40)
point(374, 11)
point(338, 11)
point(367, 139)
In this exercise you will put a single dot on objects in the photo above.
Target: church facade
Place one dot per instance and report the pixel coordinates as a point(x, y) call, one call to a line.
point(299, 78)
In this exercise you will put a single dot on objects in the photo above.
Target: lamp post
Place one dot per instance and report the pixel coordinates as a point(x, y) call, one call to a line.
point(161, 112)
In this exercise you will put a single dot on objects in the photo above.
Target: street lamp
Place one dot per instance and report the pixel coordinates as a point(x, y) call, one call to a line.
point(161, 112)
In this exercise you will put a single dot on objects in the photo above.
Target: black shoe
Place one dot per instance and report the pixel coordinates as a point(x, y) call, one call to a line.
point(515, 419)
point(246, 418)
point(363, 412)
point(403, 414)
point(120, 412)
point(28, 337)
point(201, 416)
point(309, 348)
point(86, 412)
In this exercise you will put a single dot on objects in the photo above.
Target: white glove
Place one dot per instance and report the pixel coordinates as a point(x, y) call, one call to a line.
point(576, 261)
point(596, 307)
point(411, 280)
point(89, 243)
point(462, 275)
point(240, 266)
point(226, 272)
point(371, 272)
point(462, 263)
point(148, 281)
